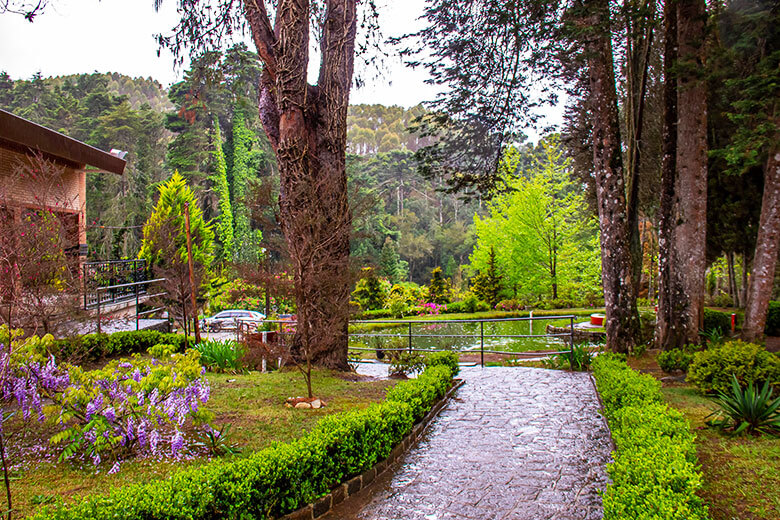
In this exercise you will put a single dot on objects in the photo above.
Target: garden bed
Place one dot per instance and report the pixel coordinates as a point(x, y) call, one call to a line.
point(741, 475)
point(252, 404)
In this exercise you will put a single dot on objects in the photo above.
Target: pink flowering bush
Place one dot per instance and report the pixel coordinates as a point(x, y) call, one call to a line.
point(431, 309)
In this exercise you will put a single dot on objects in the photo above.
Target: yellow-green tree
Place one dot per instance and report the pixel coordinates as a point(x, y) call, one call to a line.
point(539, 231)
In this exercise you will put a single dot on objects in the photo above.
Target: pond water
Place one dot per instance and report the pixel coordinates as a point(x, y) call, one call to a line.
point(463, 336)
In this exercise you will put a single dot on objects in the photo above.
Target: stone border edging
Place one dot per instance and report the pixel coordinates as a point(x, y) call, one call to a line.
point(340, 493)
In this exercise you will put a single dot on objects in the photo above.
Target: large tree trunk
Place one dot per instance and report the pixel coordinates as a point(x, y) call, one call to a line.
point(684, 195)
point(617, 274)
point(307, 128)
point(765, 259)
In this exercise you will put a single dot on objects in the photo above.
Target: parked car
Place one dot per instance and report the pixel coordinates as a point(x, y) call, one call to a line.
point(230, 318)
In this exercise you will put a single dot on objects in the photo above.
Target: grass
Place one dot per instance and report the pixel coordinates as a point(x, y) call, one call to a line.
point(252, 404)
point(741, 474)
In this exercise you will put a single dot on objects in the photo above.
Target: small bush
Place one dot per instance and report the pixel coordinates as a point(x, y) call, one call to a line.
point(620, 386)
point(675, 359)
point(716, 320)
point(773, 319)
point(509, 305)
point(448, 359)
point(406, 363)
point(711, 370)
point(722, 299)
point(654, 474)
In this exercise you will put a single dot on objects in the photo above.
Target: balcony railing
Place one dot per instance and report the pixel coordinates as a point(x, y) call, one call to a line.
point(113, 281)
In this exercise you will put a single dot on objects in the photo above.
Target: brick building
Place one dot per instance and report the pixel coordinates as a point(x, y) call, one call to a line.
point(23, 146)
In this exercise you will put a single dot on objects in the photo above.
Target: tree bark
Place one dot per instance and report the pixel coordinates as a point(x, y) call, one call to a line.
point(684, 187)
point(765, 258)
point(307, 128)
point(622, 322)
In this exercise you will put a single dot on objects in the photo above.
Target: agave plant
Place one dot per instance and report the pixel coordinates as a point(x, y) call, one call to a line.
point(747, 410)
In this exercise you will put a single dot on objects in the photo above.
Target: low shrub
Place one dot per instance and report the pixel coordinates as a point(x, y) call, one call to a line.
point(509, 305)
point(773, 319)
point(620, 386)
point(722, 299)
point(278, 479)
point(448, 359)
point(716, 320)
point(711, 370)
point(654, 474)
point(406, 363)
point(675, 359)
point(91, 347)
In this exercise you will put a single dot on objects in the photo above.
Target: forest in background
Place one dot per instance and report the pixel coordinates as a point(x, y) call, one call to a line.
point(207, 128)
point(166, 130)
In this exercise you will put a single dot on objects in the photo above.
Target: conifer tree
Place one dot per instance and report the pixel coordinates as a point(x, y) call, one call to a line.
point(390, 262)
point(487, 285)
point(439, 287)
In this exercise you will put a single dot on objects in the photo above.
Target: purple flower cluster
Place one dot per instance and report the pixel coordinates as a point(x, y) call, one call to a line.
point(29, 383)
point(138, 406)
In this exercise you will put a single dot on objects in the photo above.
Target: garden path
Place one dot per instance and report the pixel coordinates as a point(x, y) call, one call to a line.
point(513, 443)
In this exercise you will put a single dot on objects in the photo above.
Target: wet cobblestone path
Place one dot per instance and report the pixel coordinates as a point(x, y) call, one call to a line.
point(513, 443)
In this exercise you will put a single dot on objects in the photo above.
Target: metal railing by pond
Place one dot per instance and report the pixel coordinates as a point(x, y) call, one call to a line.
point(287, 327)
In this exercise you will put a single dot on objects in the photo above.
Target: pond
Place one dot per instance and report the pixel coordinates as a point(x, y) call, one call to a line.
point(462, 336)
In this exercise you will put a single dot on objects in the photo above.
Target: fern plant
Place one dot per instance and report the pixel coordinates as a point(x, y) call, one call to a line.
point(747, 410)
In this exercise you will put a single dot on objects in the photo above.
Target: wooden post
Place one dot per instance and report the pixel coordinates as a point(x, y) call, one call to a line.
point(192, 270)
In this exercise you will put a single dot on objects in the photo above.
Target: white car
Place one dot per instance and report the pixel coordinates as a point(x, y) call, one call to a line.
point(229, 320)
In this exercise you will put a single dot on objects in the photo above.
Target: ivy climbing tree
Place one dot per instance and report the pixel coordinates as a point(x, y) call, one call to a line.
point(224, 230)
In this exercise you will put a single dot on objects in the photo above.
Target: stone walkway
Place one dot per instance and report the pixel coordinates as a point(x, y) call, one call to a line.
point(513, 443)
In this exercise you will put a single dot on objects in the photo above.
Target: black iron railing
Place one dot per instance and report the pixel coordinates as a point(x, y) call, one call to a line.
point(113, 281)
point(286, 328)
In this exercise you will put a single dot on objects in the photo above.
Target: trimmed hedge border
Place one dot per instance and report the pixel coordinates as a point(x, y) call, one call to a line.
point(284, 477)
point(93, 347)
point(356, 484)
point(654, 473)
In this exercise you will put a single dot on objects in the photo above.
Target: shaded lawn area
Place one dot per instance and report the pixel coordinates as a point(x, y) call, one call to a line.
point(741, 474)
point(252, 404)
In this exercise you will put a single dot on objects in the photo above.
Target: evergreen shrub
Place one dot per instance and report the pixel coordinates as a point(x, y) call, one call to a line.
point(716, 320)
point(773, 319)
point(654, 474)
point(91, 347)
point(711, 370)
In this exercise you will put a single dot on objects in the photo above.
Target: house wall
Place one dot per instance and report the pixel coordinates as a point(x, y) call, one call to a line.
point(64, 191)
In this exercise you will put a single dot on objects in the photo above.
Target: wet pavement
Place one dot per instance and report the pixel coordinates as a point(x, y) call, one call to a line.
point(513, 443)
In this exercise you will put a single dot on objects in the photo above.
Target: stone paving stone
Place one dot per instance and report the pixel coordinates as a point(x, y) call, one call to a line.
point(515, 443)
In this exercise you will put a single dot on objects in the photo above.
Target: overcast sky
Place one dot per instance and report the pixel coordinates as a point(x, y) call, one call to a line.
point(77, 36)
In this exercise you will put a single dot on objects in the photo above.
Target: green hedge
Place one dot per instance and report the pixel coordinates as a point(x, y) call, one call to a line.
point(654, 474)
point(716, 320)
point(278, 479)
point(773, 319)
point(98, 346)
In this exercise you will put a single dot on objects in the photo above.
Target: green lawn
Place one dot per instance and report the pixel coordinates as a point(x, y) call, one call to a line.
point(252, 403)
point(741, 474)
